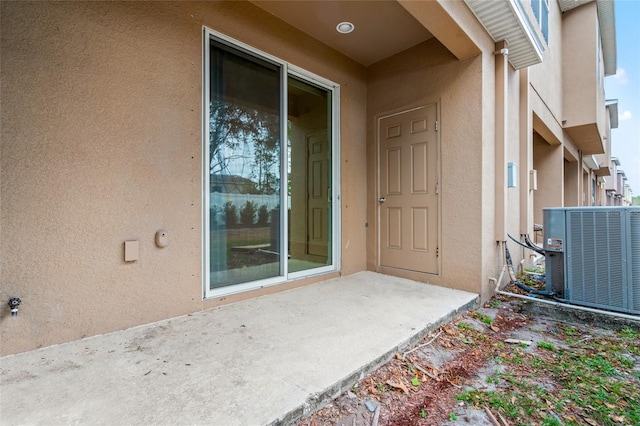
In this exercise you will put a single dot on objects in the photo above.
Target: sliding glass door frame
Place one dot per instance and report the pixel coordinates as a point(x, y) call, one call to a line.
point(287, 70)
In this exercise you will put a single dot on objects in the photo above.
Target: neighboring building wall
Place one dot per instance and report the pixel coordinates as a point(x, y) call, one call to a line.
point(585, 199)
point(550, 143)
point(627, 198)
point(610, 184)
point(571, 180)
point(546, 77)
point(583, 79)
point(601, 194)
point(620, 185)
point(102, 143)
point(548, 161)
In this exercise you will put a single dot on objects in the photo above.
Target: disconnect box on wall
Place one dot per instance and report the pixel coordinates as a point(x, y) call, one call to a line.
point(131, 251)
point(512, 175)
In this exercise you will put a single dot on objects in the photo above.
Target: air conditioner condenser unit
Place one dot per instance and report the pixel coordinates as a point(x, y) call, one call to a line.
point(592, 256)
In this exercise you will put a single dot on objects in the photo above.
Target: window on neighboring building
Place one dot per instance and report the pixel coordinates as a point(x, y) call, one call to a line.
point(541, 12)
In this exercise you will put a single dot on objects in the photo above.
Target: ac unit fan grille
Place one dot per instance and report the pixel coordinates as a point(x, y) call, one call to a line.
point(596, 265)
point(634, 250)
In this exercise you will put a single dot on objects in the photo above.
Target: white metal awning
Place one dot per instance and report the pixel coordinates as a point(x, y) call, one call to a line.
point(506, 20)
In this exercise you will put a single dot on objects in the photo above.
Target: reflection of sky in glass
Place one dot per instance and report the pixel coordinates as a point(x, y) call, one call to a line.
point(239, 160)
point(239, 157)
point(242, 159)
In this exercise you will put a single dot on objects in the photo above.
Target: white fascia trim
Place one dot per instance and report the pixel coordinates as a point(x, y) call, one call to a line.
point(506, 20)
point(607, 21)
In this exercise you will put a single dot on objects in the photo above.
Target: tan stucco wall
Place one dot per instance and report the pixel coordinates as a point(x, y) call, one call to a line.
point(580, 61)
point(101, 143)
point(548, 161)
point(427, 74)
point(546, 77)
point(571, 183)
point(513, 156)
point(465, 93)
point(583, 79)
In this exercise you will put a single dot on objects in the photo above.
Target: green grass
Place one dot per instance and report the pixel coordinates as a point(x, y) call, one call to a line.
point(595, 380)
point(484, 319)
point(629, 334)
point(464, 326)
point(546, 345)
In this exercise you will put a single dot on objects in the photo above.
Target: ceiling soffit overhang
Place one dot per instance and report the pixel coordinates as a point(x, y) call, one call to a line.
point(382, 28)
point(607, 22)
point(440, 18)
point(566, 5)
point(586, 138)
point(507, 20)
point(603, 171)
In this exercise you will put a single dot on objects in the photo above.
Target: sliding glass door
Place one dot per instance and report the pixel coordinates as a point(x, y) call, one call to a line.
point(269, 170)
point(309, 175)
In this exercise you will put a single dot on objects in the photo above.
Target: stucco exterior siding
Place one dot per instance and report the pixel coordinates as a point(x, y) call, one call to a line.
point(513, 156)
point(548, 161)
point(429, 74)
point(583, 78)
point(546, 77)
point(102, 143)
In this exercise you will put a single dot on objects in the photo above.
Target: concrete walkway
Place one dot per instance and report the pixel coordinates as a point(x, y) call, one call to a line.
point(267, 360)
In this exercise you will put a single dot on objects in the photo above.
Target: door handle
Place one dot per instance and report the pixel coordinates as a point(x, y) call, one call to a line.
point(382, 200)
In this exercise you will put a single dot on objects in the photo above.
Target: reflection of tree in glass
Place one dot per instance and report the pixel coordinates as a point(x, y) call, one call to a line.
point(263, 215)
point(238, 134)
point(230, 214)
point(248, 213)
point(265, 170)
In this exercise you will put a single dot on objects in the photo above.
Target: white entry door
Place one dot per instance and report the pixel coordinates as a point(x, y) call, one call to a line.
point(408, 190)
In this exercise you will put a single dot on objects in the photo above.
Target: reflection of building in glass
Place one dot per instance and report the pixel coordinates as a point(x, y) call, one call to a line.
point(232, 184)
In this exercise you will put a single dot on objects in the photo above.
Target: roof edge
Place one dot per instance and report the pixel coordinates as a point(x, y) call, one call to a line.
point(607, 20)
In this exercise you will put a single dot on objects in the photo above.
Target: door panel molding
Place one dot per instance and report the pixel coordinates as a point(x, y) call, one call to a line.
point(408, 177)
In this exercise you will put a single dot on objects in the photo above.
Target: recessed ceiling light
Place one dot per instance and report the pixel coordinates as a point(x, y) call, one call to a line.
point(345, 27)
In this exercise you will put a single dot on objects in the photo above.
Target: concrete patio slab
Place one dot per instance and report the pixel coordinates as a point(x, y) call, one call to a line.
point(267, 360)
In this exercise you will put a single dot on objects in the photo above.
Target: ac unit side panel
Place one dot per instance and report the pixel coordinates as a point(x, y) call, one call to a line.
point(614, 260)
point(554, 264)
point(611, 259)
point(574, 283)
point(554, 226)
point(633, 247)
point(594, 259)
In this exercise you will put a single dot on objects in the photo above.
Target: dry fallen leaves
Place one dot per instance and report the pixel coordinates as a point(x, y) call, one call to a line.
point(618, 419)
point(398, 386)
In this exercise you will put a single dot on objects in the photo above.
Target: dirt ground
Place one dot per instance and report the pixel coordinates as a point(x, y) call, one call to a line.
point(502, 365)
